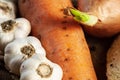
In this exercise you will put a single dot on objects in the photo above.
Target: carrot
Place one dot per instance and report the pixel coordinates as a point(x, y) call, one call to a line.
point(62, 37)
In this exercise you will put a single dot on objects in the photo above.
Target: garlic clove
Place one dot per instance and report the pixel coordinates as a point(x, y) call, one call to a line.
point(7, 59)
point(44, 68)
point(3, 19)
point(31, 75)
point(23, 28)
point(15, 63)
point(13, 29)
point(5, 39)
point(31, 64)
point(19, 50)
point(37, 45)
point(7, 9)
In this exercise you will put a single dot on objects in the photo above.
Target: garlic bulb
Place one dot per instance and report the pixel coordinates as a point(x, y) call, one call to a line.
point(12, 29)
point(40, 68)
point(19, 50)
point(7, 9)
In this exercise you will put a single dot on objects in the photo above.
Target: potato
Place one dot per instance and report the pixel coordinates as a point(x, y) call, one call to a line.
point(113, 60)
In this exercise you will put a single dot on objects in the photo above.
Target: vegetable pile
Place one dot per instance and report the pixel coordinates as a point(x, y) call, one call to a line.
point(19, 49)
point(61, 36)
point(47, 40)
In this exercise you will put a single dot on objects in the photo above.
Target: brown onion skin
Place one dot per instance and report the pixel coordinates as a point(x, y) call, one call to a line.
point(108, 13)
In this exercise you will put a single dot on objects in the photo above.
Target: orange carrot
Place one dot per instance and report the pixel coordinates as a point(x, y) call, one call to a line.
point(62, 37)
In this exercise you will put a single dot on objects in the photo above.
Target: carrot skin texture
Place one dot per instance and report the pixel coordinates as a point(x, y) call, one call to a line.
point(62, 37)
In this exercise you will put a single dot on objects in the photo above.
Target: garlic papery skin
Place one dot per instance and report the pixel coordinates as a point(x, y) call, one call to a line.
point(12, 29)
point(40, 69)
point(7, 9)
point(19, 50)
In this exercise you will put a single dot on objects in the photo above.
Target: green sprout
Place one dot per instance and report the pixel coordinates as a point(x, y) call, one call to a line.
point(83, 17)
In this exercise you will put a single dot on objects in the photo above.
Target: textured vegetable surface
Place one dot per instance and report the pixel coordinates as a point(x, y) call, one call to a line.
point(113, 60)
point(62, 38)
point(108, 13)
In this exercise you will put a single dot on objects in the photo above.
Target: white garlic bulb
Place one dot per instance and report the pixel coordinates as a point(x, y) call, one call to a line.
point(40, 68)
point(7, 9)
point(19, 50)
point(12, 29)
